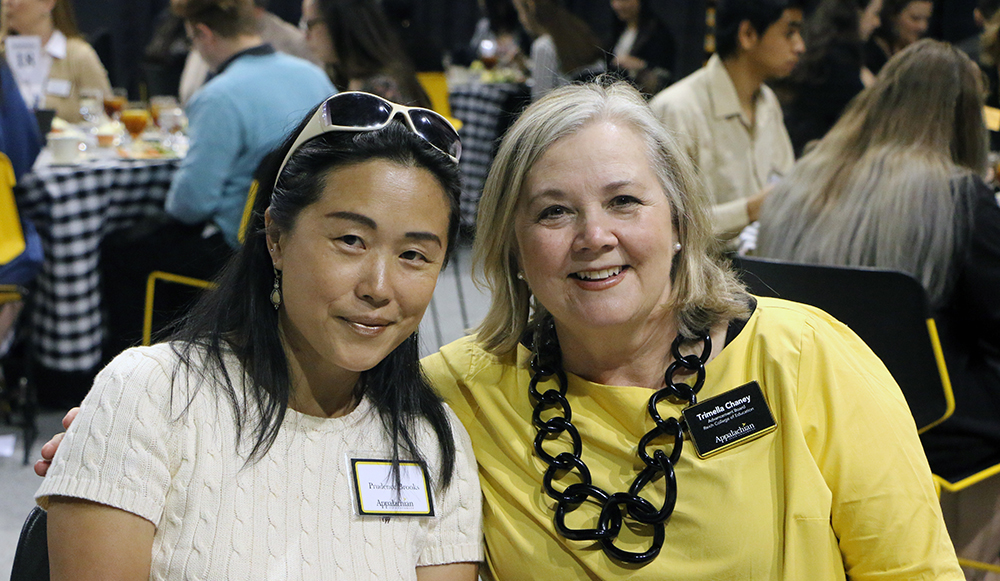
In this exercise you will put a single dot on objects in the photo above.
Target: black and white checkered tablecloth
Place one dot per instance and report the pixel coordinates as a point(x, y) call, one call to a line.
point(480, 107)
point(73, 209)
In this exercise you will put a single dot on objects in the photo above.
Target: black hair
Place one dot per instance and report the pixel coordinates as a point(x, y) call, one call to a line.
point(891, 9)
point(367, 45)
point(761, 14)
point(834, 23)
point(238, 318)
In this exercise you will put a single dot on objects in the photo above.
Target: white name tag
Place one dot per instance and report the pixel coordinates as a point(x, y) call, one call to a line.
point(376, 492)
point(58, 87)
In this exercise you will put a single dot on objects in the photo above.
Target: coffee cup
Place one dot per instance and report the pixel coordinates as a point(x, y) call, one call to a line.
point(65, 148)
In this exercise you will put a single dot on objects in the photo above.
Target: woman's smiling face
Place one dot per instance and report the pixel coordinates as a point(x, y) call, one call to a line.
point(595, 232)
point(359, 266)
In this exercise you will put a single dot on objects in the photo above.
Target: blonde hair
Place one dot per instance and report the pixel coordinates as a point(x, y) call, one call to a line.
point(704, 291)
point(884, 187)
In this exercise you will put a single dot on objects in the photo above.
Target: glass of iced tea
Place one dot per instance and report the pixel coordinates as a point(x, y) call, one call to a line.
point(159, 103)
point(135, 117)
point(114, 102)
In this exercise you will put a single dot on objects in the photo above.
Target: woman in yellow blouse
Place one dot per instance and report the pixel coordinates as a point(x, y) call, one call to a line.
point(792, 455)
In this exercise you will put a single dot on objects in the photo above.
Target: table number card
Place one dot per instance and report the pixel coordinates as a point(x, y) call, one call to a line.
point(24, 55)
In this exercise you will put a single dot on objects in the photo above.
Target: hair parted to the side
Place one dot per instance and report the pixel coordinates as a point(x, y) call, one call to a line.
point(883, 188)
point(704, 290)
point(761, 14)
point(237, 317)
point(226, 18)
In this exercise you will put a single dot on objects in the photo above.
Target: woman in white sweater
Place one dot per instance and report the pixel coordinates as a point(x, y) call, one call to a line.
point(285, 431)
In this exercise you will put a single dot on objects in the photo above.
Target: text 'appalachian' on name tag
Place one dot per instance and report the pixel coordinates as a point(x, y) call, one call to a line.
point(729, 419)
point(377, 494)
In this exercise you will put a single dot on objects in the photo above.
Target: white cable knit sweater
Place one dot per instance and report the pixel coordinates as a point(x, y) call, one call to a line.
point(287, 516)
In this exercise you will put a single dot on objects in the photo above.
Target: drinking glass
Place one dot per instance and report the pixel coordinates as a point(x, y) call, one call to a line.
point(159, 103)
point(92, 105)
point(135, 117)
point(115, 102)
point(488, 52)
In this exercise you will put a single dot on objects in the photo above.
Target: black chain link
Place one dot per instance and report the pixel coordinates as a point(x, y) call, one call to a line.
point(546, 364)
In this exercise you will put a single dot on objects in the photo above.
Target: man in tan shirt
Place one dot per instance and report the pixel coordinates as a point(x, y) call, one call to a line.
point(726, 119)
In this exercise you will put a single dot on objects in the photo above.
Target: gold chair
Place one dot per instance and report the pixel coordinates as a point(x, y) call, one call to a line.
point(435, 84)
point(156, 275)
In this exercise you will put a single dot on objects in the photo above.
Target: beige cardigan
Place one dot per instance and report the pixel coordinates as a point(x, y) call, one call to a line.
point(83, 69)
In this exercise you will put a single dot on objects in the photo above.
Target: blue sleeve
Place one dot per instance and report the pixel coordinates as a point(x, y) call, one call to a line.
point(216, 141)
point(20, 139)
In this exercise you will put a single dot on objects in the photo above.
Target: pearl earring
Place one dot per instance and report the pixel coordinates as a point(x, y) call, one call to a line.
point(677, 246)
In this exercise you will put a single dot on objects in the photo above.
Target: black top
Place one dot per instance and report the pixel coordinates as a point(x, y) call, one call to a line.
point(969, 328)
point(655, 44)
point(875, 56)
point(817, 103)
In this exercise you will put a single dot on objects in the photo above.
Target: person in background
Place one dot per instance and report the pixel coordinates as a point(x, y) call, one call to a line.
point(989, 63)
point(360, 50)
point(564, 48)
point(831, 71)
point(426, 52)
point(20, 142)
point(981, 14)
point(727, 120)
point(228, 452)
point(903, 22)
point(20, 139)
point(72, 64)
point(885, 191)
point(233, 121)
point(643, 48)
point(281, 35)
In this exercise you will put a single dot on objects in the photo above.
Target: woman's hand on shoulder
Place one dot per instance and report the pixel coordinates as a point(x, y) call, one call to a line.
point(50, 447)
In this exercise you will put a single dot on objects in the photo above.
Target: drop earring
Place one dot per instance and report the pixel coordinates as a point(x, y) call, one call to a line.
point(276, 291)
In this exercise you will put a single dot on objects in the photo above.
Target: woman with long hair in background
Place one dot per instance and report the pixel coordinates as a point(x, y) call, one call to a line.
point(360, 50)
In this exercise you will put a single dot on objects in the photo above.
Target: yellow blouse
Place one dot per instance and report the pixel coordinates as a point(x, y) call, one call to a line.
point(841, 487)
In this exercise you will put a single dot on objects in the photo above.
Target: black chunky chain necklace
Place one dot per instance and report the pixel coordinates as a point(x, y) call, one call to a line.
point(546, 364)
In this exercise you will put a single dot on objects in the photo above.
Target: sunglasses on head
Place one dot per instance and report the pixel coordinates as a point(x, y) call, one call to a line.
point(357, 111)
